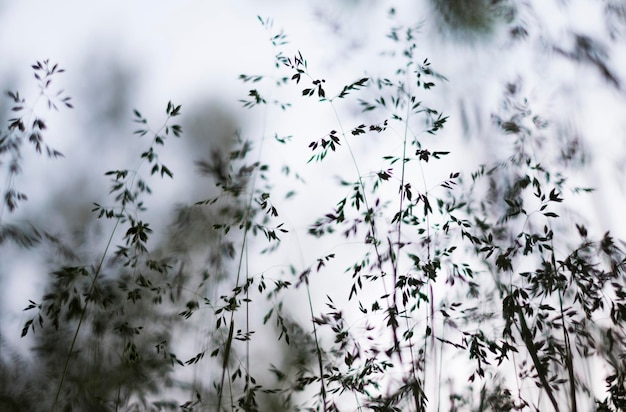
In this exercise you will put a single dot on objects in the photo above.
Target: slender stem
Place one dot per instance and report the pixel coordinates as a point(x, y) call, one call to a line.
point(317, 345)
point(96, 275)
point(568, 348)
point(430, 280)
point(532, 350)
point(227, 347)
point(569, 357)
point(247, 326)
point(229, 340)
point(391, 309)
point(440, 370)
point(242, 252)
point(399, 244)
point(83, 313)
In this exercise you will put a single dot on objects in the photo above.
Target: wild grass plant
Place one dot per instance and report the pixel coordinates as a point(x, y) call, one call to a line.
point(472, 291)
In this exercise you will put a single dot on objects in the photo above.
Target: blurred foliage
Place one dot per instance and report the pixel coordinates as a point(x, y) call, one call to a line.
point(468, 19)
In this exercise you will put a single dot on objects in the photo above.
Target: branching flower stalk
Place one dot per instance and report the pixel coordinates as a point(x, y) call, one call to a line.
point(277, 40)
point(391, 306)
point(392, 310)
point(82, 315)
point(137, 233)
point(395, 257)
point(229, 340)
point(20, 129)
